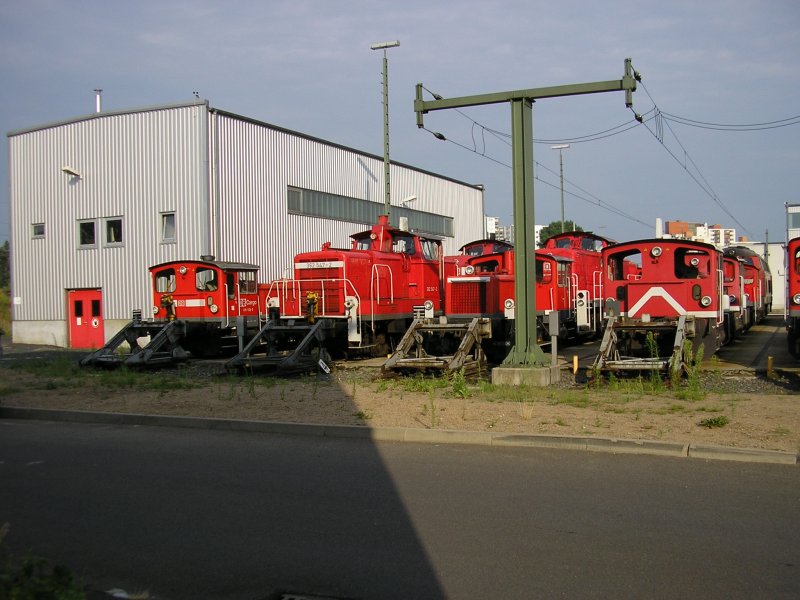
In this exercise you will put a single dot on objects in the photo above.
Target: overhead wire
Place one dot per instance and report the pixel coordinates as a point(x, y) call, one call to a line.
point(505, 138)
point(704, 184)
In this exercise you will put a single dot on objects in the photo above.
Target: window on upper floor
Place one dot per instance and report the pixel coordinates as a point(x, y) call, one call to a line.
point(113, 231)
point(168, 227)
point(87, 234)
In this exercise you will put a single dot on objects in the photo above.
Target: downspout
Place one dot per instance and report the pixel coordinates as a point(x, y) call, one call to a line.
point(209, 134)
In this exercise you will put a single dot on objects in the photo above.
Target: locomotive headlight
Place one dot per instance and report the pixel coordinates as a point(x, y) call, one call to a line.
point(508, 304)
point(796, 298)
point(214, 308)
point(469, 270)
point(428, 305)
point(155, 310)
point(694, 262)
point(656, 251)
point(182, 270)
point(732, 299)
point(705, 301)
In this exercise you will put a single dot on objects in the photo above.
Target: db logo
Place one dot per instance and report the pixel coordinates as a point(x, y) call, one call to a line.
point(95, 323)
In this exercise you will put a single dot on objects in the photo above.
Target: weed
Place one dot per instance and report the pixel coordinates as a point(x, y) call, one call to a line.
point(434, 416)
point(715, 422)
point(363, 415)
point(34, 577)
point(560, 422)
point(781, 431)
point(460, 389)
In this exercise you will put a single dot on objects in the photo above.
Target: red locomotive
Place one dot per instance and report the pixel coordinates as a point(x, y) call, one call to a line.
point(199, 306)
point(793, 295)
point(757, 282)
point(583, 249)
point(676, 296)
point(370, 292)
point(737, 317)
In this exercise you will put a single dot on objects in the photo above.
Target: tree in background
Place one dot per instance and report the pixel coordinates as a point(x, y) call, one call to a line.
point(555, 227)
point(5, 265)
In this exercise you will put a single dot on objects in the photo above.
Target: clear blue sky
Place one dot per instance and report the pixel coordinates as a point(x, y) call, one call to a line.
point(307, 65)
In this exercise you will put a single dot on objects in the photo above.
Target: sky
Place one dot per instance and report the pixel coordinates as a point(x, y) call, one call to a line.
point(306, 65)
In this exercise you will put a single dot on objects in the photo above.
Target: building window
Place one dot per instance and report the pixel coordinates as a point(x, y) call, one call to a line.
point(114, 231)
point(168, 227)
point(38, 230)
point(87, 235)
point(354, 210)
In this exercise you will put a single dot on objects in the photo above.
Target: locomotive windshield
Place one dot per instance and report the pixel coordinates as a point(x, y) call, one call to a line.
point(165, 281)
point(206, 279)
point(430, 249)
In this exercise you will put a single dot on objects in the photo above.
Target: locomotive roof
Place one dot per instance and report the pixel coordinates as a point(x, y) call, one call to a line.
point(576, 233)
point(698, 245)
point(487, 241)
point(220, 264)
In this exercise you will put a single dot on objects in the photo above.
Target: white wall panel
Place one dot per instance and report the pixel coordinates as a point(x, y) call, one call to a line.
point(133, 166)
point(256, 163)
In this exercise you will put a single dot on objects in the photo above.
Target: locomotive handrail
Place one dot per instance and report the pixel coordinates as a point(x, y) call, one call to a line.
point(227, 315)
point(281, 288)
point(372, 282)
point(720, 292)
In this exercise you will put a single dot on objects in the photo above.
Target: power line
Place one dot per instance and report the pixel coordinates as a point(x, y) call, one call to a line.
point(787, 122)
point(704, 185)
point(597, 202)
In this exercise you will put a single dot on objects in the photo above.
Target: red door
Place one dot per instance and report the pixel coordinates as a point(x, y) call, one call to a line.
point(85, 308)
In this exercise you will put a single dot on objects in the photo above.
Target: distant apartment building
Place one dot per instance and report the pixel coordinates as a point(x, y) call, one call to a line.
point(700, 232)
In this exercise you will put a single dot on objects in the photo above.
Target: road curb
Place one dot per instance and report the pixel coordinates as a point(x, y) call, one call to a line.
point(399, 434)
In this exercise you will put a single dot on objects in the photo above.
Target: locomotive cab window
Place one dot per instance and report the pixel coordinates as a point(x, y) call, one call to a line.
point(247, 282)
point(404, 244)
point(430, 249)
point(563, 275)
point(797, 262)
point(165, 281)
point(729, 271)
point(544, 272)
point(690, 264)
point(624, 265)
point(206, 280)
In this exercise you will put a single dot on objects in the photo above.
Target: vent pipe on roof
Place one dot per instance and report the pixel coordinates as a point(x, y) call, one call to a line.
point(98, 99)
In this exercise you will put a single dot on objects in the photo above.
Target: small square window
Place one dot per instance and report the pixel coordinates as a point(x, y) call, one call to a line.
point(87, 236)
point(38, 230)
point(168, 227)
point(114, 231)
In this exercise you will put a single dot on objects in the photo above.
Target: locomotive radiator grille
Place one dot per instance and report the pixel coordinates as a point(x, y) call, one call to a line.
point(468, 297)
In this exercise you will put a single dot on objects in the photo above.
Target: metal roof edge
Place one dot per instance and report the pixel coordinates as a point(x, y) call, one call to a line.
point(312, 138)
point(108, 113)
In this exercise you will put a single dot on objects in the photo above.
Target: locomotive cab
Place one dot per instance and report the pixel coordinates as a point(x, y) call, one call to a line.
point(204, 291)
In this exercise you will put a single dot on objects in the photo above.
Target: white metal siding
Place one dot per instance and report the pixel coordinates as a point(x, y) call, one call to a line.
point(133, 166)
point(255, 164)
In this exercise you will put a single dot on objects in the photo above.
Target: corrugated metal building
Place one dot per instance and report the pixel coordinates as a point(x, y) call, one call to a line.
point(98, 199)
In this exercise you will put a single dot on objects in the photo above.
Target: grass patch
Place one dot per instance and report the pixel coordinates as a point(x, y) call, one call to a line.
point(715, 422)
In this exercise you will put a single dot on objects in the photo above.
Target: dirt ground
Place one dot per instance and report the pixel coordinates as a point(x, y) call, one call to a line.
point(749, 411)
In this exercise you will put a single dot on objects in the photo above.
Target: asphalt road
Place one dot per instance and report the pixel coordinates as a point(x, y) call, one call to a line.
point(224, 515)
